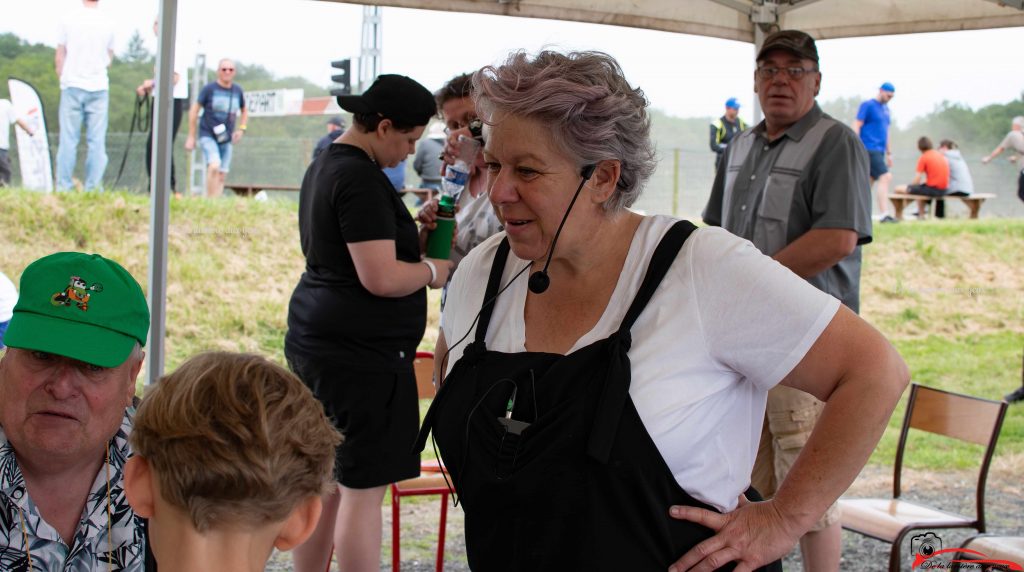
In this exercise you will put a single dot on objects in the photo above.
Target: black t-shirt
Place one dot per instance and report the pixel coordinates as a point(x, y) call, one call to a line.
point(346, 198)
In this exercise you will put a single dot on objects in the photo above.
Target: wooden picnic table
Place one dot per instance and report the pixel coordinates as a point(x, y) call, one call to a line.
point(900, 199)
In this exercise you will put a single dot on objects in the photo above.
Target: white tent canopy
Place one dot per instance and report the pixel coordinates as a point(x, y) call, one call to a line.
point(737, 19)
point(741, 20)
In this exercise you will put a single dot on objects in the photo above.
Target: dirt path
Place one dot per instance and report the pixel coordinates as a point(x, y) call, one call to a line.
point(953, 490)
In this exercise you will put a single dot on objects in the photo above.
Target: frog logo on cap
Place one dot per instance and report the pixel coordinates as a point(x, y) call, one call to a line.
point(77, 292)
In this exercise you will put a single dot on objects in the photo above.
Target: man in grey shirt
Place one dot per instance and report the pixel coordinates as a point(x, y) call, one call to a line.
point(797, 185)
point(1014, 141)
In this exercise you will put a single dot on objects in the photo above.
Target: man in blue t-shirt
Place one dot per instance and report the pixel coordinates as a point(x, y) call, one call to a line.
point(221, 102)
point(872, 125)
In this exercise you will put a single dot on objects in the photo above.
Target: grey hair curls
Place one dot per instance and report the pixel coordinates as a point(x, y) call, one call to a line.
point(593, 112)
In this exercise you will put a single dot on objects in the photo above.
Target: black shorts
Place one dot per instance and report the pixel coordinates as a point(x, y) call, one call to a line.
point(378, 414)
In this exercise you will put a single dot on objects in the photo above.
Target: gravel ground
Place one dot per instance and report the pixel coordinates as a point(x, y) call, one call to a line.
point(952, 490)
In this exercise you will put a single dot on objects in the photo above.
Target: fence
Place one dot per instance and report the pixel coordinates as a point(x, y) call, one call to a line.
point(679, 186)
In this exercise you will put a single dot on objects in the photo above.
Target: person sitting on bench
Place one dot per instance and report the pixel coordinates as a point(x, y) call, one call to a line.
point(933, 168)
point(960, 182)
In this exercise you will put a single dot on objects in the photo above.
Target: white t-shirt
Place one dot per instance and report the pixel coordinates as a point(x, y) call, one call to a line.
point(181, 68)
point(8, 298)
point(88, 36)
point(726, 324)
point(7, 118)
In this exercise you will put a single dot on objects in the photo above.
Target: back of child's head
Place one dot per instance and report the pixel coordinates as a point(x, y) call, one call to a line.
point(235, 440)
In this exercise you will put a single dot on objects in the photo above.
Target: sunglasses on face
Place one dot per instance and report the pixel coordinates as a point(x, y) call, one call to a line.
point(227, 69)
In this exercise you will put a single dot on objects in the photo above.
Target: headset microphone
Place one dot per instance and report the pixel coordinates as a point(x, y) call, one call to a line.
point(539, 281)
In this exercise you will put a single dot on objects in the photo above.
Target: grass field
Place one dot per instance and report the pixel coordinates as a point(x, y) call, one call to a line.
point(949, 294)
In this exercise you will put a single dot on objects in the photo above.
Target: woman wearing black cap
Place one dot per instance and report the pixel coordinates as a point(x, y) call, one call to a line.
point(359, 311)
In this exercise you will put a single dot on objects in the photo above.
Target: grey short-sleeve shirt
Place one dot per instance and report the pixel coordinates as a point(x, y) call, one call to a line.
point(832, 191)
point(1014, 141)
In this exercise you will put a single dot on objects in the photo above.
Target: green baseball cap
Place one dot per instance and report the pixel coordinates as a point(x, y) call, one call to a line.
point(81, 306)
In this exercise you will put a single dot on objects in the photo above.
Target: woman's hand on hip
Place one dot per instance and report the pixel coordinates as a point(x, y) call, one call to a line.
point(753, 535)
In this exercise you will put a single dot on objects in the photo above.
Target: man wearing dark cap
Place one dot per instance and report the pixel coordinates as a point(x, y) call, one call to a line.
point(796, 185)
point(335, 127)
point(359, 312)
point(66, 387)
point(725, 128)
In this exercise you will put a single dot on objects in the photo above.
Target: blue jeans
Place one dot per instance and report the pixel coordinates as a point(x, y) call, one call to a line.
point(77, 105)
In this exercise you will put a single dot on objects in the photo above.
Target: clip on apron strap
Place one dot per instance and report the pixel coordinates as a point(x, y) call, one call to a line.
point(617, 379)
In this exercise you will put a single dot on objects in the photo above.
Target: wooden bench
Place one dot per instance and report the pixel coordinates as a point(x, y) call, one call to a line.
point(249, 190)
point(900, 199)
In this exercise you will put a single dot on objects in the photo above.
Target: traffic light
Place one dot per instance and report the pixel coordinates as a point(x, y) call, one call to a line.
point(343, 78)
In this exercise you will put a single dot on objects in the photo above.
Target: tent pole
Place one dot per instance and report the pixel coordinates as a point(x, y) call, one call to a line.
point(759, 36)
point(159, 191)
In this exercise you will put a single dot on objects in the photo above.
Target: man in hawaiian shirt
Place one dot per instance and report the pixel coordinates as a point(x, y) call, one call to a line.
point(66, 387)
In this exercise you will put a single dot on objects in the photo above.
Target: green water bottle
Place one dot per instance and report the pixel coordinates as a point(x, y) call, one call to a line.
point(439, 243)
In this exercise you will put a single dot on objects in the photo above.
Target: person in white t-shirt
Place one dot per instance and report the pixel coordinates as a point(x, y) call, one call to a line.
point(604, 411)
point(8, 299)
point(8, 117)
point(85, 48)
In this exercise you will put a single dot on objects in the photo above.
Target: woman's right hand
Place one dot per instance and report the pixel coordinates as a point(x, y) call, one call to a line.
point(427, 216)
point(444, 268)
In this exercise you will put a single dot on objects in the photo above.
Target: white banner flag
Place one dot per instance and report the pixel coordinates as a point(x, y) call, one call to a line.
point(274, 102)
point(34, 151)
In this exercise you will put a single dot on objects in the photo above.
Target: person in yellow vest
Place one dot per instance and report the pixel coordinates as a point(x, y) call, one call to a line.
point(725, 128)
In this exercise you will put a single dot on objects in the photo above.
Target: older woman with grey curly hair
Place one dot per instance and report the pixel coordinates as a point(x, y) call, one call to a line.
point(605, 413)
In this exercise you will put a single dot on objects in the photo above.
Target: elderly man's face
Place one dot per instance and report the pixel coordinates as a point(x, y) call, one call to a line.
point(226, 71)
point(57, 408)
point(785, 99)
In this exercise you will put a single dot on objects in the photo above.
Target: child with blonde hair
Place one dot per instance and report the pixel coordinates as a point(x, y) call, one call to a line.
point(231, 456)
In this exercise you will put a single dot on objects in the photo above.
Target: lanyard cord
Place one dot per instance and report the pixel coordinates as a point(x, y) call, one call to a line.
point(110, 558)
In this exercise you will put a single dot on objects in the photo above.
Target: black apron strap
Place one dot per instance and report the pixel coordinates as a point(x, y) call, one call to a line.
point(493, 283)
point(618, 377)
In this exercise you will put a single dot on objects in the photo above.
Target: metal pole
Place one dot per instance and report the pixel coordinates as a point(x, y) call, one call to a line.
point(159, 191)
point(197, 168)
point(759, 37)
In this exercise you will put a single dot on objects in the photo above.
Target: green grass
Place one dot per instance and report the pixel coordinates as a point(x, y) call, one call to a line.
point(949, 294)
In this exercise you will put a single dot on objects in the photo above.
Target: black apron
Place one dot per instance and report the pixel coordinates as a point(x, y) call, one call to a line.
point(573, 481)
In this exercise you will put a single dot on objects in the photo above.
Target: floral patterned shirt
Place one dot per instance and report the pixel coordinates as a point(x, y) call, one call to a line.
point(92, 550)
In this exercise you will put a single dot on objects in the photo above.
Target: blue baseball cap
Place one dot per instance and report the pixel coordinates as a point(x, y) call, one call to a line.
point(731, 103)
point(888, 87)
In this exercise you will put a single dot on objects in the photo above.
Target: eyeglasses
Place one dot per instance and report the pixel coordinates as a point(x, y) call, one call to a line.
point(458, 124)
point(227, 69)
point(793, 73)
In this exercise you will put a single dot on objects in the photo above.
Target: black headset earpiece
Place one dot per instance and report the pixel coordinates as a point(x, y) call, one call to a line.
point(539, 280)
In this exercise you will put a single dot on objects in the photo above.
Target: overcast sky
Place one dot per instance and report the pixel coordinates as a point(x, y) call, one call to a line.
point(687, 76)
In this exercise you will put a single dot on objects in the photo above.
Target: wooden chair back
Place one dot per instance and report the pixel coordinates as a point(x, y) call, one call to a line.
point(962, 417)
point(423, 364)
